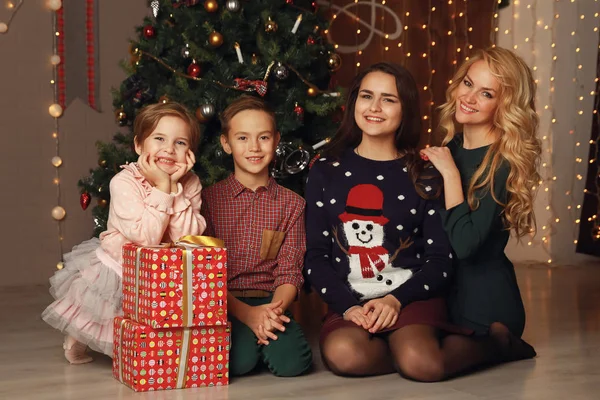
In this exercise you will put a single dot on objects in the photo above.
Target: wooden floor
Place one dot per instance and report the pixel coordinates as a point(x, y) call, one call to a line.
point(563, 308)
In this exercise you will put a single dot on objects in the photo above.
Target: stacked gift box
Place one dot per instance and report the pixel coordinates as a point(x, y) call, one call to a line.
point(174, 333)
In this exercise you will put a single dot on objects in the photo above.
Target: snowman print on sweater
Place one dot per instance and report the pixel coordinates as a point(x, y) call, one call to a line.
point(371, 274)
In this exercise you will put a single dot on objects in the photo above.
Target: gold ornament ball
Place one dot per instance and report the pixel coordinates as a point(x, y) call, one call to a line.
point(60, 265)
point(102, 163)
point(55, 59)
point(102, 203)
point(211, 6)
point(121, 117)
point(3, 27)
point(164, 99)
point(56, 161)
point(54, 5)
point(334, 62)
point(312, 92)
point(215, 39)
point(58, 213)
point(133, 49)
point(55, 110)
point(271, 26)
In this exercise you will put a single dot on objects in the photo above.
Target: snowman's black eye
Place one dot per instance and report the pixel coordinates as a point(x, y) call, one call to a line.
point(388, 282)
point(369, 227)
point(379, 278)
point(355, 226)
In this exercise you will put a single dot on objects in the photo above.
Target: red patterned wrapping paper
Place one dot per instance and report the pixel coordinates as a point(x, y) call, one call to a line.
point(173, 287)
point(149, 359)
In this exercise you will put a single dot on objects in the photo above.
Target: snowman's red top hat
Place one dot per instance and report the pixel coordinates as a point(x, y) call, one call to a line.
point(364, 203)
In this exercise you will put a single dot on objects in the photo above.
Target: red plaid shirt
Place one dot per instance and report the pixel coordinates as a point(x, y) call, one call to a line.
point(241, 218)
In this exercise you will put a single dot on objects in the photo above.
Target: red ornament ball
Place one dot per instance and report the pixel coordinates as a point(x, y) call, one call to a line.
point(310, 41)
point(149, 32)
point(84, 200)
point(193, 70)
point(299, 111)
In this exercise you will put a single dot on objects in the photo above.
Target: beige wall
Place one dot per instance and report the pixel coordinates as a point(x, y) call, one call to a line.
point(29, 240)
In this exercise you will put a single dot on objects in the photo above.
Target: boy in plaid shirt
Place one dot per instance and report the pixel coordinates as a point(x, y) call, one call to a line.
point(262, 225)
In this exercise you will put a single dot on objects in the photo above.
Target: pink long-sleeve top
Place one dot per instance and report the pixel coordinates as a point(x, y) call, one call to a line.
point(142, 214)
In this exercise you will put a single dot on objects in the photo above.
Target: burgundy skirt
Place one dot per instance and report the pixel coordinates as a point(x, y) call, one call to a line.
point(431, 312)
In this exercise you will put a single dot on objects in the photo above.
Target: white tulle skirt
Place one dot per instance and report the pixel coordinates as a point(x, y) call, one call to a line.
point(88, 296)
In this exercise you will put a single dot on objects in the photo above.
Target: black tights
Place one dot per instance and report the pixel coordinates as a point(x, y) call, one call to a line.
point(417, 352)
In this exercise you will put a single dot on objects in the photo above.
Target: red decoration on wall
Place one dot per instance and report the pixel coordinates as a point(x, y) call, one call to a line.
point(91, 60)
point(90, 97)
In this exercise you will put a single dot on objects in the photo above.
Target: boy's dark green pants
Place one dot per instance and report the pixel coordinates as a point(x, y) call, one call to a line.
point(289, 355)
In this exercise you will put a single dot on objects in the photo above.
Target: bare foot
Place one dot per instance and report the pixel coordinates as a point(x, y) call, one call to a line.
point(512, 347)
point(75, 352)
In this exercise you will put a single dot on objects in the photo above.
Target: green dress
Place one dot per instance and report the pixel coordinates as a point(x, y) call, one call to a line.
point(485, 289)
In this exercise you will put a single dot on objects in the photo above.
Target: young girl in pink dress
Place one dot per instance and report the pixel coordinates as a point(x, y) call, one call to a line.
point(154, 200)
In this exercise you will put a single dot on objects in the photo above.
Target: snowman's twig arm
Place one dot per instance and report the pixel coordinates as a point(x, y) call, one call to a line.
point(403, 245)
point(334, 229)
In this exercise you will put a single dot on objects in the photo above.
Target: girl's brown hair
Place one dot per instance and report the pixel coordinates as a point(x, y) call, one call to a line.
point(408, 134)
point(147, 120)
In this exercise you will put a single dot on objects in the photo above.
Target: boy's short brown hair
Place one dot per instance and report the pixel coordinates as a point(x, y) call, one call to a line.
point(243, 103)
point(147, 120)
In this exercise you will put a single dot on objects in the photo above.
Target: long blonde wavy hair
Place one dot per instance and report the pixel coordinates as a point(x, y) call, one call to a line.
point(515, 126)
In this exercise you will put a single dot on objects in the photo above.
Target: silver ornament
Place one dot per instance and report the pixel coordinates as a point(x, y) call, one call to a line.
point(296, 161)
point(289, 160)
point(207, 110)
point(155, 5)
point(232, 5)
point(281, 152)
point(280, 71)
point(185, 52)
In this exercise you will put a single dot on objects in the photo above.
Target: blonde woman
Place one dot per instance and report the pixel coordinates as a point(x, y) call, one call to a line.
point(489, 170)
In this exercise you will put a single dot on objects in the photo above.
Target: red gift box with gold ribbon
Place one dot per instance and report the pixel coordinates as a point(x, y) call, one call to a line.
point(158, 359)
point(183, 284)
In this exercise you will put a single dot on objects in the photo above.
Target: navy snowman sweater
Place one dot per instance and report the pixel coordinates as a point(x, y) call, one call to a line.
point(370, 234)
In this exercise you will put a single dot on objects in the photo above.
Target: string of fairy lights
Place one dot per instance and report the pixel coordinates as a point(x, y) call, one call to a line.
point(595, 146)
point(427, 88)
point(594, 143)
point(56, 110)
point(576, 145)
point(468, 28)
point(547, 78)
point(459, 22)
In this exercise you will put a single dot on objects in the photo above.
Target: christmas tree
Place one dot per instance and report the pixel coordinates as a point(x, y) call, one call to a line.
point(204, 54)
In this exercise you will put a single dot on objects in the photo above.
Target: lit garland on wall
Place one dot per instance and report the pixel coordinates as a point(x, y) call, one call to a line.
point(595, 151)
point(460, 42)
point(576, 145)
point(468, 45)
point(546, 160)
point(427, 88)
point(56, 110)
point(544, 184)
point(548, 111)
